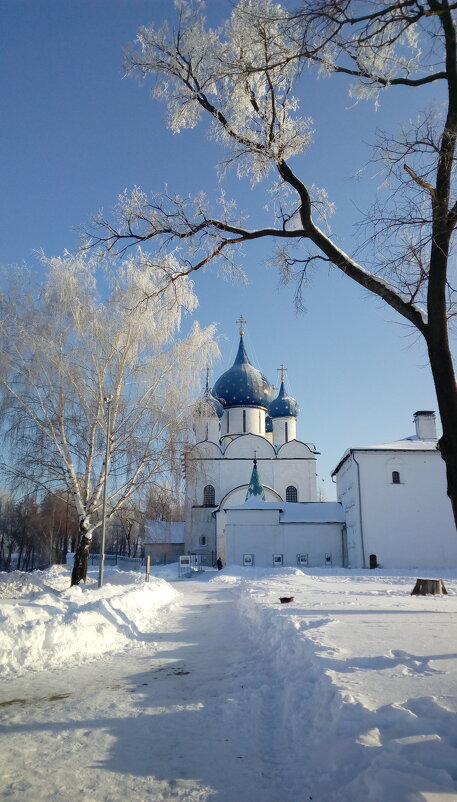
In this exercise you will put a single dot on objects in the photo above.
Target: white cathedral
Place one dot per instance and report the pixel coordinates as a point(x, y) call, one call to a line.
point(251, 492)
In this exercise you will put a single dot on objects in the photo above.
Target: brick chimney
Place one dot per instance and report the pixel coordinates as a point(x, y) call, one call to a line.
point(425, 425)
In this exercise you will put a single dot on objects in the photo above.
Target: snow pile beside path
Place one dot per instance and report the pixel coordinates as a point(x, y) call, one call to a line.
point(44, 623)
point(367, 681)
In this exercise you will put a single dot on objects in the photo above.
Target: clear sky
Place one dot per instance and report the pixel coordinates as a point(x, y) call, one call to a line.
point(75, 132)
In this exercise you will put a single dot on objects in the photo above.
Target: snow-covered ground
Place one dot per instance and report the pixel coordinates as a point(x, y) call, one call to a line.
point(210, 689)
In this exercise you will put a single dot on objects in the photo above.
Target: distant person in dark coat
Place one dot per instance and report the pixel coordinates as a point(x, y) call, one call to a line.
point(219, 564)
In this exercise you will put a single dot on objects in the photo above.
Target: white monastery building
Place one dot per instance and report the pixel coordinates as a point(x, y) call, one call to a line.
point(395, 503)
point(251, 494)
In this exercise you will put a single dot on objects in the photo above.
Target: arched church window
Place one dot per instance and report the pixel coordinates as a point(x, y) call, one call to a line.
point(291, 493)
point(286, 432)
point(395, 477)
point(209, 496)
point(228, 421)
point(244, 420)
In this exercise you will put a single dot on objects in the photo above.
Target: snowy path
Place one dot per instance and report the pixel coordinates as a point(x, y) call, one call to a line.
point(190, 717)
point(347, 695)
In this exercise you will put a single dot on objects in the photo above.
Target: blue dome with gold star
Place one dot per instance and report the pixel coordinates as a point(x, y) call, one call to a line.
point(243, 385)
point(284, 406)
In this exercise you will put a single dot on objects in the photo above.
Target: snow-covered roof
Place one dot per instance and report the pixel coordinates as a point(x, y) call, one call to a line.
point(412, 443)
point(164, 532)
point(298, 512)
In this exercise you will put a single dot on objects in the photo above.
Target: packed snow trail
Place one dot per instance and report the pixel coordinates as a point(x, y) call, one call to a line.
point(189, 717)
point(213, 691)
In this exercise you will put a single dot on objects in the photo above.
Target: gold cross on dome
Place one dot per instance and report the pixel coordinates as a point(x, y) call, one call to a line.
point(283, 370)
point(241, 320)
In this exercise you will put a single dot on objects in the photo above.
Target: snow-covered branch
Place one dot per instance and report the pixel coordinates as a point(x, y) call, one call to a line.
point(76, 348)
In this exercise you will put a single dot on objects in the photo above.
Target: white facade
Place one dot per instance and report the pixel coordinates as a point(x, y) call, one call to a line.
point(228, 471)
point(284, 534)
point(395, 503)
point(230, 432)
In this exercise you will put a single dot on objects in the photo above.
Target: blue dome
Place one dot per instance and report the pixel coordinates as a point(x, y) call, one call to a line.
point(208, 406)
point(284, 406)
point(243, 385)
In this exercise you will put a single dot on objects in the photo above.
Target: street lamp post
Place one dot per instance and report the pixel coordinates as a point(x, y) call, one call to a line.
point(107, 399)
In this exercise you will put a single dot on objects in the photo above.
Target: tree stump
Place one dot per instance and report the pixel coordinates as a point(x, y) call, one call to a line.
point(429, 586)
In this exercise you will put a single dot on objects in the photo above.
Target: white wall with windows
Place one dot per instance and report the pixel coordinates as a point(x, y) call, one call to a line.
point(239, 419)
point(218, 476)
point(395, 503)
point(393, 496)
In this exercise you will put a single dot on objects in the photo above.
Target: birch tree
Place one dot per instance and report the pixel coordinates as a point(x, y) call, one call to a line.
point(245, 78)
point(65, 345)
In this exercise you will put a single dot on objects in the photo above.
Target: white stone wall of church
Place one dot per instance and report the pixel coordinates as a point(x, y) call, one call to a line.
point(275, 473)
point(207, 429)
point(263, 540)
point(202, 525)
point(279, 430)
point(200, 473)
point(253, 421)
point(407, 525)
point(348, 495)
point(225, 474)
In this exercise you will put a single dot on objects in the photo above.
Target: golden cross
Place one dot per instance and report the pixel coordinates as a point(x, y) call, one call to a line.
point(241, 320)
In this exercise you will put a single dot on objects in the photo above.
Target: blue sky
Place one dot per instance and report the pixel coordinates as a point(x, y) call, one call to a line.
point(76, 132)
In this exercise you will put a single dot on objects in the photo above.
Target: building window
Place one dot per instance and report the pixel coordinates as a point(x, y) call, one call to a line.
point(228, 421)
point(286, 432)
point(291, 493)
point(395, 477)
point(202, 540)
point(244, 420)
point(209, 496)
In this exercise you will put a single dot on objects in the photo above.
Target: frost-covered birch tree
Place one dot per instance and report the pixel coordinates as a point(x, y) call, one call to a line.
point(245, 78)
point(66, 343)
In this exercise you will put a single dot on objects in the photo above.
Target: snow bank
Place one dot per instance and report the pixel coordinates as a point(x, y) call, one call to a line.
point(45, 623)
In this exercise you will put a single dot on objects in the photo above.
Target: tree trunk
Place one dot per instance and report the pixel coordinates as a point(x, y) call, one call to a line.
point(429, 586)
point(446, 392)
point(19, 557)
point(79, 571)
point(9, 557)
